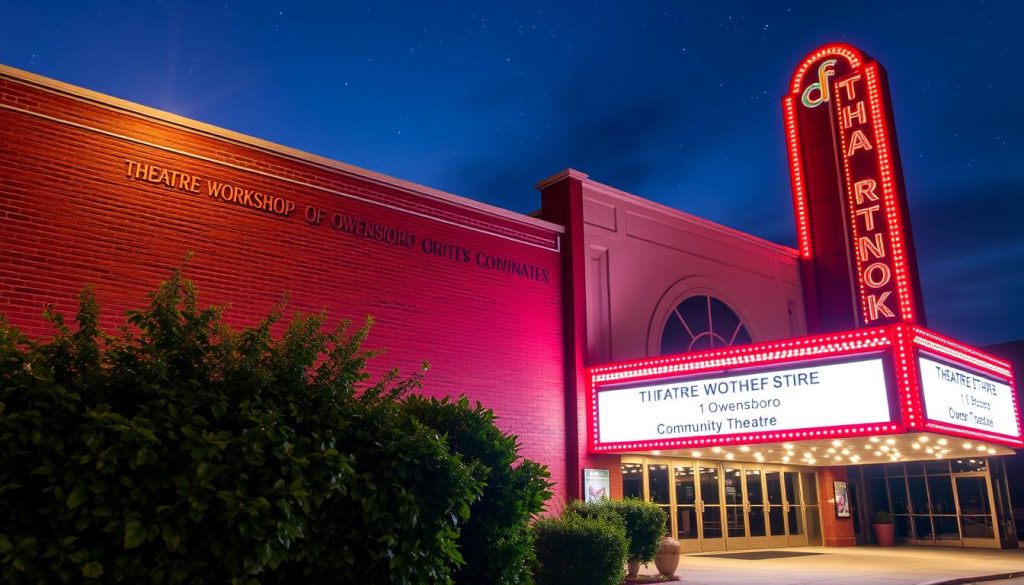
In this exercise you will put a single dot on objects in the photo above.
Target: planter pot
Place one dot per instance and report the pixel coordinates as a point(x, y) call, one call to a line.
point(884, 534)
point(667, 559)
point(633, 566)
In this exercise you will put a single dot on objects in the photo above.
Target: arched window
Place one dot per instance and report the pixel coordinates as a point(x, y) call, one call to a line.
point(702, 322)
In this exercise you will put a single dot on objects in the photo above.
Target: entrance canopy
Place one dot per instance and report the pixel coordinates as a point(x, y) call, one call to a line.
point(894, 393)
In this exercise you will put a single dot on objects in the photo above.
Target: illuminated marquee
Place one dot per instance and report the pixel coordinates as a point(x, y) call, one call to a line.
point(865, 382)
point(883, 372)
point(852, 225)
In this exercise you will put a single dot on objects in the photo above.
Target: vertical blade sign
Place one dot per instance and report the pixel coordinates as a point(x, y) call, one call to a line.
point(853, 228)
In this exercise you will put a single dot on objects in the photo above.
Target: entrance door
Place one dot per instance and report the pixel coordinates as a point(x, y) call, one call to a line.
point(775, 509)
point(710, 507)
point(757, 517)
point(735, 509)
point(794, 507)
point(687, 524)
point(975, 510)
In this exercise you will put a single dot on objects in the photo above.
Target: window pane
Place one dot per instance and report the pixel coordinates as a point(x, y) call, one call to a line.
point(742, 337)
point(675, 339)
point(713, 522)
point(723, 320)
point(901, 527)
point(810, 487)
point(923, 528)
point(754, 495)
point(941, 490)
point(685, 492)
point(686, 518)
point(657, 482)
point(977, 527)
point(734, 516)
point(813, 526)
point(695, 312)
point(709, 486)
point(898, 492)
point(733, 489)
point(796, 520)
point(946, 528)
point(632, 480)
point(963, 465)
point(792, 489)
point(918, 495)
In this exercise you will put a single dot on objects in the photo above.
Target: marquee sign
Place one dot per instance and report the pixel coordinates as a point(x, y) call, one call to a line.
point(875, 370)
point(852, 222)
point(872, 381)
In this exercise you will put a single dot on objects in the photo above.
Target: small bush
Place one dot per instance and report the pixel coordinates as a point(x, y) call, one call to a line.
point(644, 523)
point(495, 540)
point(580, 550)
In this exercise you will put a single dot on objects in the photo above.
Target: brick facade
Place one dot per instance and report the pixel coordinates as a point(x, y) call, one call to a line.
point(74, 212)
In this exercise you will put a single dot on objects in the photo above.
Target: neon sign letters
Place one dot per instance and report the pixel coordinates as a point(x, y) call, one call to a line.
point(848, 194)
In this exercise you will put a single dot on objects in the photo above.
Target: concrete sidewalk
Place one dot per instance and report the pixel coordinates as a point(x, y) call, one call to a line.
point(863, 565)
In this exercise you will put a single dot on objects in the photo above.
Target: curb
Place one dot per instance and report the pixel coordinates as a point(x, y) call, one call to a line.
point(963, 580)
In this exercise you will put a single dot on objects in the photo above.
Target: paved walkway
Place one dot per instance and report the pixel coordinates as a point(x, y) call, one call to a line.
point(862, 565)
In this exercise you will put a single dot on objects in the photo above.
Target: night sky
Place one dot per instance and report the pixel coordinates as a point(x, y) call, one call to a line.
point(678, 102)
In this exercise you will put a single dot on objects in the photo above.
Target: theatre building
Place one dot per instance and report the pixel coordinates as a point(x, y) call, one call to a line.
point(763, 396)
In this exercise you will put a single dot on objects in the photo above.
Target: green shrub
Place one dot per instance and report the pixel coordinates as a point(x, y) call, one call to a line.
point(644, 523)
point(580, 550)
point(185, 451)
point(495, 541)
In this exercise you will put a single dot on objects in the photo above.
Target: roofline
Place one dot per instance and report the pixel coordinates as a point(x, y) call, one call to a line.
point(161, 116)
point(687, 217)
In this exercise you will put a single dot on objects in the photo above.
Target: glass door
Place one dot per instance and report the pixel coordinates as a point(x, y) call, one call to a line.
point(757, 525)
point(794, 507)
point(735, 509)
point(686, 518)
point(709, 506)
point(976, 522)
point(774, 508)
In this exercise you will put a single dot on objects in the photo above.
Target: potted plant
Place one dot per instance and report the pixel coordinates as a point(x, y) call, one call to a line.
point(884, 533)
point(644, 524)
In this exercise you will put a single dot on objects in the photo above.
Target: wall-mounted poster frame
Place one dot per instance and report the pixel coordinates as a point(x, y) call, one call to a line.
point(842, 499)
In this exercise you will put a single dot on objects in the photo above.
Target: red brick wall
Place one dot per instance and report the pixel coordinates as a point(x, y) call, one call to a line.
point(69, 216)
point(835, 531)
